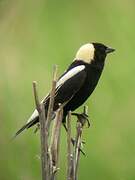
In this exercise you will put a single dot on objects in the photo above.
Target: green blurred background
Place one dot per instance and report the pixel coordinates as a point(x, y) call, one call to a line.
point(34, 35)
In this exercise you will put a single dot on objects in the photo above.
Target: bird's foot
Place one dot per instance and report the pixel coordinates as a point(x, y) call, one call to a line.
point(82, 118)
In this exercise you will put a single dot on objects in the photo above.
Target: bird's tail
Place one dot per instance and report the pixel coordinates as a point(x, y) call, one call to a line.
point(32, 121)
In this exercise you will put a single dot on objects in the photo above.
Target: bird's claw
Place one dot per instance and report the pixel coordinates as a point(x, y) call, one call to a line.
point(82, 118)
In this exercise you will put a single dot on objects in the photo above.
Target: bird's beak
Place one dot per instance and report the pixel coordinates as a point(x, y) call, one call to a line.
point(109, 50)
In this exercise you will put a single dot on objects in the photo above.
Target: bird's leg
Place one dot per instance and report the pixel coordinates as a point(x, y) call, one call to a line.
point(65, 127)
point(82, 117)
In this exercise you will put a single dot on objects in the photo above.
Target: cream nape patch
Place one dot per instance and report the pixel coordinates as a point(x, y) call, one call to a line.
point(85, 53)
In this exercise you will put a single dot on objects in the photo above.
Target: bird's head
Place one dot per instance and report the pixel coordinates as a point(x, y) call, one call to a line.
point(93, 51)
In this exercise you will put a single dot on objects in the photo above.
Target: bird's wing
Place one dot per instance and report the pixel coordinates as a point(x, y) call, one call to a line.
point(69, 84)
point(66, 87)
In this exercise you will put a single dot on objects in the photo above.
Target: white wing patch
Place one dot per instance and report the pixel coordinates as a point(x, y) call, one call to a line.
point(61, 81)
point(64, 78)
point(70, 74)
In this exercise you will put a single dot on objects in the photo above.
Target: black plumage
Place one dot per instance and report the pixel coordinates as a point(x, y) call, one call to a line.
point(78, 82)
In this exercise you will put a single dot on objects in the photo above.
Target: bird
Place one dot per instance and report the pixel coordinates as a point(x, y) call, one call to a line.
point(77, 83)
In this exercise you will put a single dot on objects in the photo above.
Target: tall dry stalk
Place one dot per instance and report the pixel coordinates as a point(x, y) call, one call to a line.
point(50, 149)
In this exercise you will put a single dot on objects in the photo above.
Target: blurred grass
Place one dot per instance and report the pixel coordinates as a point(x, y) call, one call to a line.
point(34, 35)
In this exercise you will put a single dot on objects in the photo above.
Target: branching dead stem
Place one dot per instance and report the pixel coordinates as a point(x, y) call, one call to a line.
point(50, 138)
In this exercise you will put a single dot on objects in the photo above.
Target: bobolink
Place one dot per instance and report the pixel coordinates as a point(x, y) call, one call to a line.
point(77, 83)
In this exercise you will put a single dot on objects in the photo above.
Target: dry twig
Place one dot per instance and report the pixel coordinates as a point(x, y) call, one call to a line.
point(82, 118)
point(52, 94)
point(43, 134)
point(69, 149)
point(50, 151)
point(55, 142)
point(45, 126)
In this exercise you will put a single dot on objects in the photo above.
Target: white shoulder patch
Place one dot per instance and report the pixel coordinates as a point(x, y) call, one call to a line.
point(70, 74)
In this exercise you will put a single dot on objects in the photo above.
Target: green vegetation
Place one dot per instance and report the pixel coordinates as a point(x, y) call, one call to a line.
point(34, 35)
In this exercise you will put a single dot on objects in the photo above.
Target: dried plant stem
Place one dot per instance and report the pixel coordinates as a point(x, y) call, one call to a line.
point(76, 154)
point(69, 149)
point(55, 142)
point(43, 135)
point(77, 147)
point(45, 126)
point(50, 143)
point(52, 94)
